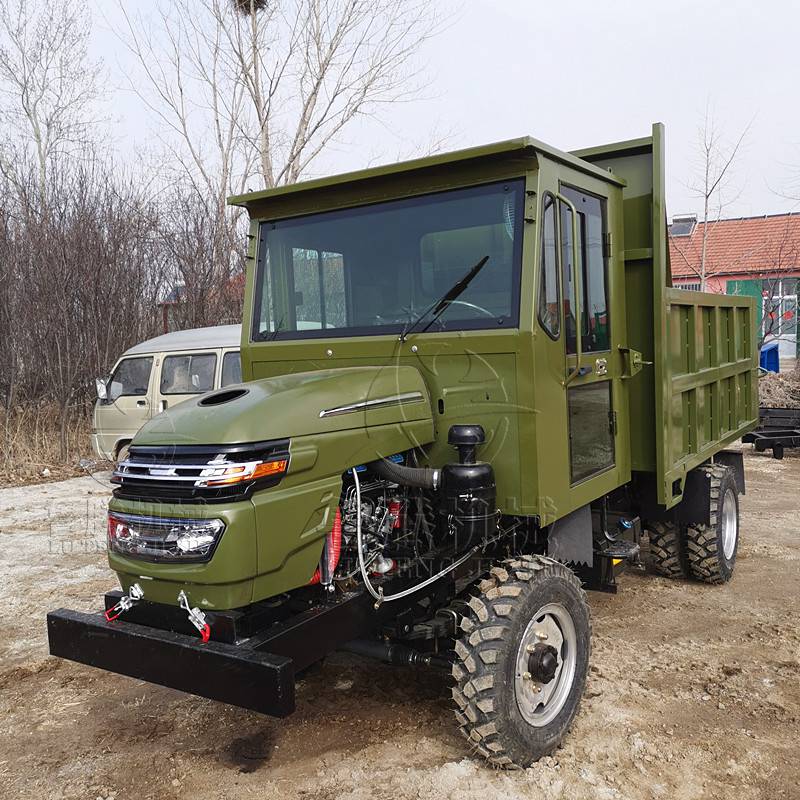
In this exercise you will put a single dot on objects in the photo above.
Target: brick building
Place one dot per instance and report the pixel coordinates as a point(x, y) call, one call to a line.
point(757, 256)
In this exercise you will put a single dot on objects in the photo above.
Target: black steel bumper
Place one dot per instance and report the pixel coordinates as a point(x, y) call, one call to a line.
point(230, 673)
point(254, 653)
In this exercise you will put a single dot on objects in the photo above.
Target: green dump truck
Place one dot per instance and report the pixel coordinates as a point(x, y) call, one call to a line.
point(469, 391)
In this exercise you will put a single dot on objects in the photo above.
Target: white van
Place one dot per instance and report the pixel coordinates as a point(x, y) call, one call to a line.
point(159, 373)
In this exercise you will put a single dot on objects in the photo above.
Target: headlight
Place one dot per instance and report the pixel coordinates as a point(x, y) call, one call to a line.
point(169, 540)
point(226, 475)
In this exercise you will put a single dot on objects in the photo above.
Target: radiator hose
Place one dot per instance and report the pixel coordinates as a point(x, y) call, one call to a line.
point(417, 477)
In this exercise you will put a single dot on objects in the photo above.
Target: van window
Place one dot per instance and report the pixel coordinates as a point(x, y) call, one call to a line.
point(188, 374)
point(131, 378)
point(231, 369)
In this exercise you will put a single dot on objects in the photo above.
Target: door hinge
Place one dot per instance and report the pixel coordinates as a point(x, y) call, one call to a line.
point(612, 422)
point(607, 246)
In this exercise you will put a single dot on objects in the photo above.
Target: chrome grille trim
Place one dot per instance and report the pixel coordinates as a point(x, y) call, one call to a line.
point(162, 471)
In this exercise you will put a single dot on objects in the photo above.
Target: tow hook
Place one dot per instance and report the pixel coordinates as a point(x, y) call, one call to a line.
point(126, 602)
point(196, 616)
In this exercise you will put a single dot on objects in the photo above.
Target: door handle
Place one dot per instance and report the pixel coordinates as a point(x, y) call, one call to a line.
point(576, 277)
point(141, 403)
point(162, 405)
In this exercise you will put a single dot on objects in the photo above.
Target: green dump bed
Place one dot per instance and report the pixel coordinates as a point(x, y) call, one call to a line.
point(698, 389)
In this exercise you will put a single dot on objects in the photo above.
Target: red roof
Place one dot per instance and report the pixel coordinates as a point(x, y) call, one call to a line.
point(758, 245)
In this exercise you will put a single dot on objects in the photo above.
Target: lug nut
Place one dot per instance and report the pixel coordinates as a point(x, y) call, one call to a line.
point(526, 676)
point(541, 635)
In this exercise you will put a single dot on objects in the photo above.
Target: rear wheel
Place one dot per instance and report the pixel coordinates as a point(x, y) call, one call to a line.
point(522, 660)
point(711, 549)
point(665, 549)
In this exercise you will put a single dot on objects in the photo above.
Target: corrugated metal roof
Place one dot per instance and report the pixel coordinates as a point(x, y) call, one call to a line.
point(736, 246)
point(193, 339)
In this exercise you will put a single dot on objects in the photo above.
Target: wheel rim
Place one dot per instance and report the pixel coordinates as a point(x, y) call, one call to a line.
point(730, 524)
point(540, 702)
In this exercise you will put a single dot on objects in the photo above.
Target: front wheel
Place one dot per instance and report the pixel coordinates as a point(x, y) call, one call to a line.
point(522, 660)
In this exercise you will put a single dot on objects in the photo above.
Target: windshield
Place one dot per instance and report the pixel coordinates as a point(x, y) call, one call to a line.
point(374, 269)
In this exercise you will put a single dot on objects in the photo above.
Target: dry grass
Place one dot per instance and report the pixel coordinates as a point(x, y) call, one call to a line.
point(780, 390)
point(30, 450)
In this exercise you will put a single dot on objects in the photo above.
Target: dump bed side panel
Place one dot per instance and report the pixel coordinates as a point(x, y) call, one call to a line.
point(712, 379)
point(699, 393)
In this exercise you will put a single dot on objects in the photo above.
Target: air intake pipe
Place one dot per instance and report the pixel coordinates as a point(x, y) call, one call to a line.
point(417, 477)
point(467, 500)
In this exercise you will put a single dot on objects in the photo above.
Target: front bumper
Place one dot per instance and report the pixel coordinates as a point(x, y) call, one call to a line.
point(230, 673)
point(254, 653)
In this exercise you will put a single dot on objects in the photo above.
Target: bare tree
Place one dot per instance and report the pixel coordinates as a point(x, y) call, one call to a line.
point(326, 62)
point(83, 280)
point(712, 184)
point(250, 93)
point(253, 88)
point(194, 240)
point(48, 83)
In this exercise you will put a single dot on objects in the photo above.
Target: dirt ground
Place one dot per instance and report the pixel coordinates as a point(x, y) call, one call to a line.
point(694, 691)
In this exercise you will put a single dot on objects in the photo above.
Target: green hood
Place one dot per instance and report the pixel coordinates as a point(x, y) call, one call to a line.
point(288, 406)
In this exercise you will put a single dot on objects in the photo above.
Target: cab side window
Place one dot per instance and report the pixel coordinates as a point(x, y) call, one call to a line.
point(231, 369)
point(549, 293)
point(591, 251)
point(188, 374)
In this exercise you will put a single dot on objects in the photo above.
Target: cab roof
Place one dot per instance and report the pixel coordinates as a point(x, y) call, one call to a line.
point(511, 148)
point(193, 339)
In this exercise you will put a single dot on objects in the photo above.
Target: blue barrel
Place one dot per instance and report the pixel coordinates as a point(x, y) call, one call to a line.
point(768, 358)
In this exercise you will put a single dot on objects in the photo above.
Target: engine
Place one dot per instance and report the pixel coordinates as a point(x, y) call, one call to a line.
point(395, 526)
point(416, 517)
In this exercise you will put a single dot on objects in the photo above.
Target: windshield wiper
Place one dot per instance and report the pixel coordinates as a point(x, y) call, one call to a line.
point(439, 306)
point(274, 334)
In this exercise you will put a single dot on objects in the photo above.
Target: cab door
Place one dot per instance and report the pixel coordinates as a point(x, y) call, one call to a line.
point(581, 397)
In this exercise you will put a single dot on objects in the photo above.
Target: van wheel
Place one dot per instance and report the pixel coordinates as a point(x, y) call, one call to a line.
point(665, 549)
point(711, 549)
point(522, 660)
point(123, 453)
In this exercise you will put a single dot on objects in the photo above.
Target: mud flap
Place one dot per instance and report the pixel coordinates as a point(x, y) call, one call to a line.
point(569, 540)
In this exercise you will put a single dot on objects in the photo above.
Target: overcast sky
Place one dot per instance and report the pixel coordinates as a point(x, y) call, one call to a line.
point(576, 73)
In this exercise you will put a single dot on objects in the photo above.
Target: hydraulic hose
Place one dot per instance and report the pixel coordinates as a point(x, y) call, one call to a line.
point(418, 477)
point(331, 551)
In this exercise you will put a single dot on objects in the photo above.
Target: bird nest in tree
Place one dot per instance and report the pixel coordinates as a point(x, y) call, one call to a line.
point(248, 6)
